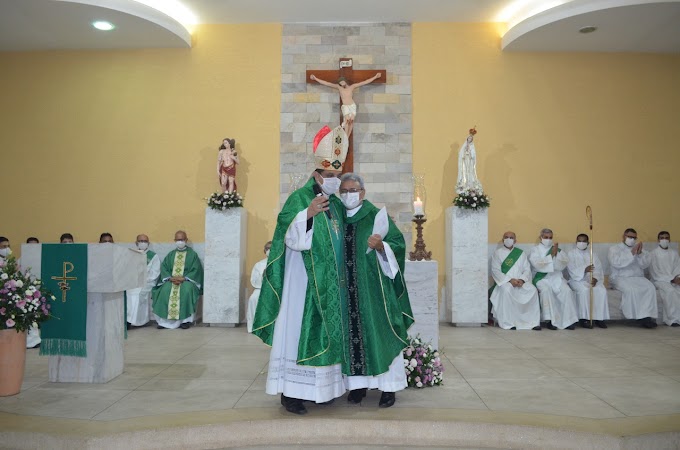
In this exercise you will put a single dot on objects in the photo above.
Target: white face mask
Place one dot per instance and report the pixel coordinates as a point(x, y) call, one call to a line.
point(5, 252)
point(546, 242)
point(663, 243)
point(509, 242)
point(351, 199)
point(181, 245)
point(630, 242)
point(330, 185)
point(581, 245)
point(142, 245)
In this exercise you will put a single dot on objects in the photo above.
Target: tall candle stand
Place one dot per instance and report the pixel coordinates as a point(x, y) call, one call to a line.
point(420, 253)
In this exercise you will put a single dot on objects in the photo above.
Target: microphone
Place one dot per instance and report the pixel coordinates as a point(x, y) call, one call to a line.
point(318, 192)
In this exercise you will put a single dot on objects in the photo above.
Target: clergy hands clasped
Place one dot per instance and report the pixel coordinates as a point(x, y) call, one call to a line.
point(177, 280)
point(555, 249)
point(375, 242)
point(517, 283)
point(676, 280)
point(637, 249)
point(318, 205)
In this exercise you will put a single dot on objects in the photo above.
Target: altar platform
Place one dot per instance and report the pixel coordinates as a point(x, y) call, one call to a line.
point(204, 388)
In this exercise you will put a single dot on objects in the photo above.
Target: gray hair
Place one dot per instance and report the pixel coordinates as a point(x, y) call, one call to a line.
point(546, 230)
point(352, 177)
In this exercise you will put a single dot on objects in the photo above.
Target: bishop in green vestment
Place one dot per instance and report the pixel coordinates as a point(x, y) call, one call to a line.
point(377, 314)
point(181, 281)
point(299, 312)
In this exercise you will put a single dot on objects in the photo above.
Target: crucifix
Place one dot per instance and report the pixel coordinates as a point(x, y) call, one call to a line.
point(63, 280)
point(348, 79)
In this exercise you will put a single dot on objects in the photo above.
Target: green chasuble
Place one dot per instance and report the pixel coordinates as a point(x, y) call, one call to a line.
point(177, 302)
point(379, 311)
point(321, 334)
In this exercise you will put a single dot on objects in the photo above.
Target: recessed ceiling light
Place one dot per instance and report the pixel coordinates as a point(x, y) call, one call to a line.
point(588, 29)
point(103, 25)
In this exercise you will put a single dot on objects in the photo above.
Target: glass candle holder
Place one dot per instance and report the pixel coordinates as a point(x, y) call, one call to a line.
point(419, 195)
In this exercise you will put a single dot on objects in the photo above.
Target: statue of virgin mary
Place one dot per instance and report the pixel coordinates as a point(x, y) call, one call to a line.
point(467, 166)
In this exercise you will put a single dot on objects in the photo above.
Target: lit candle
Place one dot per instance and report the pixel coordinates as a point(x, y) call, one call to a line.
point(418, 207)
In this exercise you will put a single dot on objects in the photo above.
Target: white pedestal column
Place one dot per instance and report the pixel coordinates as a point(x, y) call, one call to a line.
point(105, 334)
point(467, 270)
point(422, 281)
point(224, 266)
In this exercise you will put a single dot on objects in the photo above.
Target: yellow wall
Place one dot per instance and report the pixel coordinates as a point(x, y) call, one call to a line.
point(126, 141)
point(557, 131)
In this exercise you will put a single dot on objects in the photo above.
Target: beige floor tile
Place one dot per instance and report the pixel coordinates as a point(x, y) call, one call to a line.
point(222, 371)
point(121, 382)
point(183, 384)
point(72, 402)
point(568, 350)
point(636, 396)
point(466, 353)
point(141, 370)
point(451, 395)
point(543, 338)
point(657, 350)
point(260, 383)
point(605, 367)
point(557, 396)
point(36, 369)
point(504, 369)
point(30, 383)
point(150, 403)
point(226, 354)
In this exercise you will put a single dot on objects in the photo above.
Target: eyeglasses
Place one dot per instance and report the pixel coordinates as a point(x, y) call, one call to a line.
point(350, 191)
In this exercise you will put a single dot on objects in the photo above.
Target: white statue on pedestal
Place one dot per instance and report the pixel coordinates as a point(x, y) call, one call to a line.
point(467, 166)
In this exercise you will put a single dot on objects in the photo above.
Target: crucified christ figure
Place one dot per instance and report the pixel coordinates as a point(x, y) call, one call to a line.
point(348, 107)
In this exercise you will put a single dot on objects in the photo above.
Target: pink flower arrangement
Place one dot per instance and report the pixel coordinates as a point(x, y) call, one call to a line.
point(422, 364)
point(23, 300)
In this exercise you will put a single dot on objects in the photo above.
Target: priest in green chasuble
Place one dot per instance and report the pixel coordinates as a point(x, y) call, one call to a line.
point(176, 295)
point(303, 287)
point(377, 313)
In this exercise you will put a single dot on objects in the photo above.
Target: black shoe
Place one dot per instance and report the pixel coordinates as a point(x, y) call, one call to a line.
point(329, 402)
point(38, 344)
point(674, 324)
point(537, 328)
point(355, 396)
point(550, 326)
point(185, 326)
point(293, 405)
point(387, 399)
point(586, 324)
point(648, 322)
point(513, 328)
point(158, 327)
point(129, 325)
point(600, 323)
point(571, 327)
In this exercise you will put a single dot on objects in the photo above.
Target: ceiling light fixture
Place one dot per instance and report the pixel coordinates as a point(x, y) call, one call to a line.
point(588, 29)
point(103, 25)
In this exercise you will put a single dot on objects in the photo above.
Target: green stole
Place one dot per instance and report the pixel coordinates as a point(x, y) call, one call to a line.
point(378, 308)
point(177, 302)
point(540, 275)
point(507, 264)
point(321, 331)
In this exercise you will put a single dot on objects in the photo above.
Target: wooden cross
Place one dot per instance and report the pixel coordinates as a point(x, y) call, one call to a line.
point(352, 76)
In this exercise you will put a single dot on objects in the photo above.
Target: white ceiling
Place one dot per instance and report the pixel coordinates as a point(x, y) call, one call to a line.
point(624, 25)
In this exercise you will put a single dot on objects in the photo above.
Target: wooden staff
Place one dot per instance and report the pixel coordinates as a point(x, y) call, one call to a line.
point(589, 215)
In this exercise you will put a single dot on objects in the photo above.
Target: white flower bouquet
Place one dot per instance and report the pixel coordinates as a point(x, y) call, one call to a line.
point(221, 201)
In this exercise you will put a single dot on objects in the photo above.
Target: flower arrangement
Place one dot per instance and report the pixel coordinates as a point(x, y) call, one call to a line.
point(221, 201)
point(23, 300)
point(422, 364)
point(472, 200)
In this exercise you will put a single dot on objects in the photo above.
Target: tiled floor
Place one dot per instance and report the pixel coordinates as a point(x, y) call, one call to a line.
point(623, 381)
point(618, 372)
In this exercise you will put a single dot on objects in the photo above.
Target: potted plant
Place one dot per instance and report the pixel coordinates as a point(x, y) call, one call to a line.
point(23, 303)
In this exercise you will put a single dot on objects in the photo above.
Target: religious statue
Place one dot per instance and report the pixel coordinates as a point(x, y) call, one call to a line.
point(467, 166)
point(226, 165)
point(348, 107)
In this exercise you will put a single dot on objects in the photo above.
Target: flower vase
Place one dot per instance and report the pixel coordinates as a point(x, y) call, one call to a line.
point(12, 361)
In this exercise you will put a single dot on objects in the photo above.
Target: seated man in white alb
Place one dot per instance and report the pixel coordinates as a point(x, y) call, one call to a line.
point(558, 306)
point(628, 263)
point(139, 299)
point(514, 298)
point(665, 273)
point(256, 281)
point(580, 270)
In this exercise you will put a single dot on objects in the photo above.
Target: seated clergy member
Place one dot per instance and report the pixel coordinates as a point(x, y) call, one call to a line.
point(514, 298)
point(66, 238)
point(176, 295)
point(106, 238)
point(377, 312)
point(579, 280)
point(256, 281)
point(558, 306)
point(628, 261)
point(33, 240)
point(665, 273)
point(139, 299)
